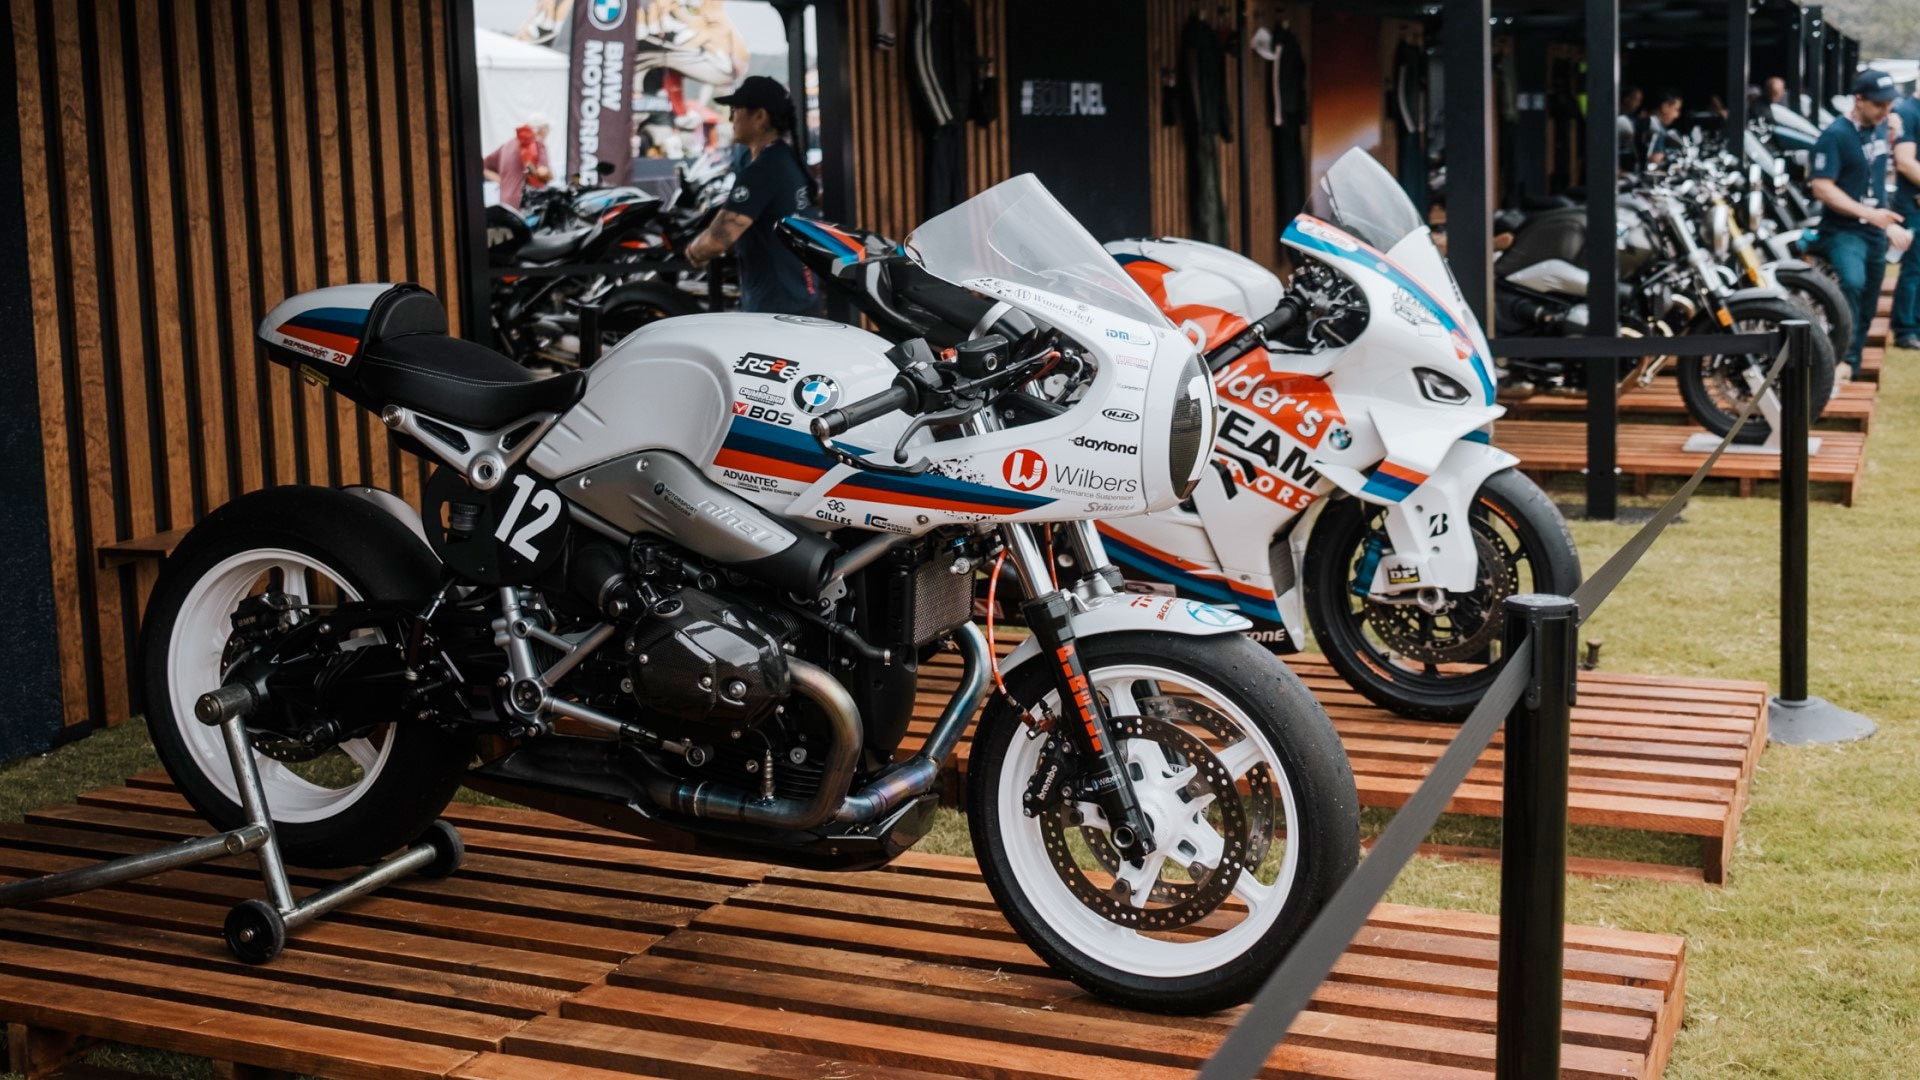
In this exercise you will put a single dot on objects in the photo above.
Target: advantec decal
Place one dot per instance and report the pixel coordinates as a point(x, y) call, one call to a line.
point(1024, 470)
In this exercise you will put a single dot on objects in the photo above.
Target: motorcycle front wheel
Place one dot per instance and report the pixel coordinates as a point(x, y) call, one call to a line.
point(1252, 808)
point(1817, 291)
point(1433, 661)
point(1715, 388)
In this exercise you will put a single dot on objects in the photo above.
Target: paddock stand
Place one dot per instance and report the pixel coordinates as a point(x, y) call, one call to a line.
point(256, 930)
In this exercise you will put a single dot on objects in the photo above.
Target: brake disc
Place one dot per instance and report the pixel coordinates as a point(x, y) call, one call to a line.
point(1471, 621)
point(1244, 824)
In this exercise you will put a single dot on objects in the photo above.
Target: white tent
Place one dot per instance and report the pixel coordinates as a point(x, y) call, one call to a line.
point(518, 79)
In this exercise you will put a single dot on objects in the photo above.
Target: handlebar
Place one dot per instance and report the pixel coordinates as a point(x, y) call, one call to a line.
point(1256, 332)
point(900, 396)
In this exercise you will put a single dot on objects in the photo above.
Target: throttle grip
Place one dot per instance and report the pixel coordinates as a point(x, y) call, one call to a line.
point(837, 421)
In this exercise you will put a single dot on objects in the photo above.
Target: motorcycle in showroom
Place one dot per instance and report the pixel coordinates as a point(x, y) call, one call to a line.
point(1352, 487)
point(1670, 284)
point(687, 592)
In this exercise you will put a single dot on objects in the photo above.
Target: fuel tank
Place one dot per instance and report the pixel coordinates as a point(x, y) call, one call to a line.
point(733, 394)
point(1206, 290)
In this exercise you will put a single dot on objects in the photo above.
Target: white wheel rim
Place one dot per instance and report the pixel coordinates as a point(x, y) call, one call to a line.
point(1092, 934)
point(200, 633)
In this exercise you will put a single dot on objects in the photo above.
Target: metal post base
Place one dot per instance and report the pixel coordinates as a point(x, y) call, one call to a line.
point(256, 930)
point(1812, 721)
point(1703, 443)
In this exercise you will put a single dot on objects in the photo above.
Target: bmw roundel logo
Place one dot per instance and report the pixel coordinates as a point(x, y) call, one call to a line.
point(816, 394)
point(607, 14)
point(1340, 437)
point(1208, 615)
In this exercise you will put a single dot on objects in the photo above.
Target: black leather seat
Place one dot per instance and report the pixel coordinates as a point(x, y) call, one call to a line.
point(457, 380)
point(546, 247)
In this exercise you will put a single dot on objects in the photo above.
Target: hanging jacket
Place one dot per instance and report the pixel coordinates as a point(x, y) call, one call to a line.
point(942, 62)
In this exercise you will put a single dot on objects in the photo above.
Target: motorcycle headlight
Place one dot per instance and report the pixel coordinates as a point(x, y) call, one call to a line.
point(1439, 387)
point(1191, 433)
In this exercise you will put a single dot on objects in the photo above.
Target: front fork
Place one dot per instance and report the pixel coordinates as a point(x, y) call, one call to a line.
point(1049, 615)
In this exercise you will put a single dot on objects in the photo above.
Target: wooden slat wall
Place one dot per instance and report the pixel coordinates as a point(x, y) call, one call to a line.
point(188, 164)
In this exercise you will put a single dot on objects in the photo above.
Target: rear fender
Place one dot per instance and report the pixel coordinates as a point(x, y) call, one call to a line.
point(395, 505)
point(1139, 611)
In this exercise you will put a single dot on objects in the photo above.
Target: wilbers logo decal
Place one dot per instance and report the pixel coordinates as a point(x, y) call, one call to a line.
point(1024, 470)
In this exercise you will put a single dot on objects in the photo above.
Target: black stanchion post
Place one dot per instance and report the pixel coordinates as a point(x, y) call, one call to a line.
point(589, 335)
point(1533, 842)
point(1795, 716)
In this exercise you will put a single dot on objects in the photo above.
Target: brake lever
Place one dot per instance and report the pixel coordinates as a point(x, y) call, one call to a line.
point(927, 420)
point(854, 461)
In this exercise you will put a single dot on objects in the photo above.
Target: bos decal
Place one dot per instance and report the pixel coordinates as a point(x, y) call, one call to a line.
point(761, 412)
point(1024, 470)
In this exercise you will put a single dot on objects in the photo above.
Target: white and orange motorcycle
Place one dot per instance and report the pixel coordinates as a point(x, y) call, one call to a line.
point(1353, 479)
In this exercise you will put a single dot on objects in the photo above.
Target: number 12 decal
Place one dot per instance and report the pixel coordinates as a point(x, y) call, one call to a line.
point(545, 503)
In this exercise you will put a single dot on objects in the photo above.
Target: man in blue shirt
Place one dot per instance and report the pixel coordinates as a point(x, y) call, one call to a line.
point(770, 182)
point(1850, 180)
point(1906, 202)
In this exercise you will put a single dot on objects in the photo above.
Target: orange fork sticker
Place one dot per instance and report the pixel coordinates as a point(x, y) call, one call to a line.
point(1082, 696)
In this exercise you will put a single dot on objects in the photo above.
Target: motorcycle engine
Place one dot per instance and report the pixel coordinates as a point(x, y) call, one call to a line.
point(710, 665)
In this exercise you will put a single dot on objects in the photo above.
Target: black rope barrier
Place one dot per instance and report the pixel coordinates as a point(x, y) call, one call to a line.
point(1529, 1005)
point(1630, 348)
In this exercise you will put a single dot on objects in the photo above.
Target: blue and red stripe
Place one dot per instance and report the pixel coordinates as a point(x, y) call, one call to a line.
point(1161, 566)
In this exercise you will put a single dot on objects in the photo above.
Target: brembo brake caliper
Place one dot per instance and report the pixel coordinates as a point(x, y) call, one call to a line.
point(1104, 779)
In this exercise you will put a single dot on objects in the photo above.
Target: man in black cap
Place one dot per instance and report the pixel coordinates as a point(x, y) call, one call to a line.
point(1850, 180)
point(770, 182)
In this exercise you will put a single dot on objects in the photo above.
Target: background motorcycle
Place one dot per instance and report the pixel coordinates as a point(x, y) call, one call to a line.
point(1670, 285)
point(687, 593)
point(1353, 479)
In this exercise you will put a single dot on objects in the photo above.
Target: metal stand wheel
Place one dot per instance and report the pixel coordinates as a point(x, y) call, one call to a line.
point(256, 931)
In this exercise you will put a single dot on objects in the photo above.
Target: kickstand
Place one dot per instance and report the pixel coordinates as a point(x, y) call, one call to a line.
point(256, 930)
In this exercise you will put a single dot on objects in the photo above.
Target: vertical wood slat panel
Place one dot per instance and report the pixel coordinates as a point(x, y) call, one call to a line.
point(185, 178)
point(66, 505)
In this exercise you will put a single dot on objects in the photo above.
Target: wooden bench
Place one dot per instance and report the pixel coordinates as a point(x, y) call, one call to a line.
point(1544, 448)
point(1662, 755)
point(565, 951)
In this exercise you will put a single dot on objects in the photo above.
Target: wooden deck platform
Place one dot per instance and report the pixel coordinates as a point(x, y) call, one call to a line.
point(1545, 447)
point(1660, 755)
point(563, 951)
point(1851, 407)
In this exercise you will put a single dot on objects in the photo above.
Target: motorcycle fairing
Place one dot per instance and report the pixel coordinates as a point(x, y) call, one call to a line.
point(1138, 611)
point(1427, 523)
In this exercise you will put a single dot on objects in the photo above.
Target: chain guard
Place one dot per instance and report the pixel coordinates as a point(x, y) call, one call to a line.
point(1245, 824)
point(1410, 631)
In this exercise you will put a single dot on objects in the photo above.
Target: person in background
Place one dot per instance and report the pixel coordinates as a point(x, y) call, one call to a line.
point(1849, 180)
point(1776, 90)
point(770, 182)
point(521, 161)
point(1659, 129)
point(1623, 126)
point(1905, 327)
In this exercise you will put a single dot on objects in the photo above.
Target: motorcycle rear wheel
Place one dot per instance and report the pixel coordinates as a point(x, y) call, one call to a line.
point(1512, 519)
point(1712, 386)
point(1293, 823)
point(1817, 291)
point(346, 805)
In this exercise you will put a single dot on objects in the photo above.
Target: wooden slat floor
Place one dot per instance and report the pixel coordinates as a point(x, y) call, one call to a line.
point(1648, 450)
point(562, 950)
point(1664, 755)
point(1851, 406)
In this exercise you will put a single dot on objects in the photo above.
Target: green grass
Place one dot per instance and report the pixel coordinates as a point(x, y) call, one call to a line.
point(1807, 963)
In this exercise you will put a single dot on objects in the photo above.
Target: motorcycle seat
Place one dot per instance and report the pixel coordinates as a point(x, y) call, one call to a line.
point(459, 381)
point(546, 247)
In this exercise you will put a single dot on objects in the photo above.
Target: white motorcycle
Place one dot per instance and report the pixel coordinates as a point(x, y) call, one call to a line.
point(688, 592)
point(1354, 479)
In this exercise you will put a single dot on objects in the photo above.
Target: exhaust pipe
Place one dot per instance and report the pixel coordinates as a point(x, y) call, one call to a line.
point(917, 776)
point(723, 802)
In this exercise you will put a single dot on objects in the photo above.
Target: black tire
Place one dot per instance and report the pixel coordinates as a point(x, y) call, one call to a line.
point(1710, 385)
point(1820, 293)
point(631, 307)
point(1509, 511)
point(381, 559)
point(1293, 724)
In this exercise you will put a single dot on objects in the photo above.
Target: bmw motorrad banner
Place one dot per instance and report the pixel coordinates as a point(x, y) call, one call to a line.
point(601, 128)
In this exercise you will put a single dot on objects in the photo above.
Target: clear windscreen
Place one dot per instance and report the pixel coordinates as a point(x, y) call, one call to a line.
point(1367, 201)
point(1017, 232)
